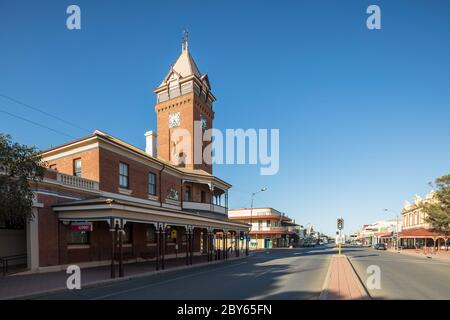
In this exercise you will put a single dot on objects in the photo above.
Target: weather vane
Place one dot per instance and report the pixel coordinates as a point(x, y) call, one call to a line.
point(184, 41)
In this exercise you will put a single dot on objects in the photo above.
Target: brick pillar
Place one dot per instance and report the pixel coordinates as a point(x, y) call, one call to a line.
point(113, 251)
point(121, 271)
point(186, 235)
point(163, 247)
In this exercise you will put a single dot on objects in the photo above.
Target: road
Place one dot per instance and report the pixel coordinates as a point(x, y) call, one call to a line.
point(269, 274)
point(281, 274)
point(402, 276)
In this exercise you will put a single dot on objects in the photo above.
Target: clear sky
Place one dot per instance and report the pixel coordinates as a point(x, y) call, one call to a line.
point(363, 114)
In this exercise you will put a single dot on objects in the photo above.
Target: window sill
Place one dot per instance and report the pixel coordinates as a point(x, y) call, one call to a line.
point(152, 197)
point(125, 191)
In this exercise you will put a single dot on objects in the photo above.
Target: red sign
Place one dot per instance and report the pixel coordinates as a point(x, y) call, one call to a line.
point(81, 226)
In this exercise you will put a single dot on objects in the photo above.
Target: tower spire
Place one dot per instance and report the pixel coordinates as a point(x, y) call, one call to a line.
point(184, 41)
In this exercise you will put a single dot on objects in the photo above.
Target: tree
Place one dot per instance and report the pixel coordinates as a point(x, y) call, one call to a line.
point(438, 209)
point(19, 165)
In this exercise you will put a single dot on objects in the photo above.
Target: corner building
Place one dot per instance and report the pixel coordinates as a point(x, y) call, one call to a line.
point(106, 202)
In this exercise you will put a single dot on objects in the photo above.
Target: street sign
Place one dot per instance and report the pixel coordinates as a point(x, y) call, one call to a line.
point(81, 226)
point(173, 234)
point(339, 239)
point(248, 237)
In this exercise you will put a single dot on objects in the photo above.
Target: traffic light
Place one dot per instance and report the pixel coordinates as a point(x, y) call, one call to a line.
point(340, 223)
point(241, 235)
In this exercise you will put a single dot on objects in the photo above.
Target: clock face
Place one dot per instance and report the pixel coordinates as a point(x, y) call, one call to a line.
point(204, 123)
point(174, 119)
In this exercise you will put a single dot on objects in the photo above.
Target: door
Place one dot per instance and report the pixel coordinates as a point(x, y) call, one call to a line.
point(266, 243)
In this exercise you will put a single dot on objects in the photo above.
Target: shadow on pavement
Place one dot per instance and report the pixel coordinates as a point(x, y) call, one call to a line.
point(261, 276)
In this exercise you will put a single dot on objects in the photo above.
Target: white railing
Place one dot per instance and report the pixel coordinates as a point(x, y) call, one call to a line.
point(77, 182)
point(203, 206)
point(219, 209)
point(268, 228)
point(253, 214)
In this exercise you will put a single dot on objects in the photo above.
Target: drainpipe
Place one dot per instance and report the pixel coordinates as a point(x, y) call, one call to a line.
point(160, 185)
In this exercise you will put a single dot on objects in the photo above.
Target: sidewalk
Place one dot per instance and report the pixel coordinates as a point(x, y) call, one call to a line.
point(341, 282)
point(438, 255)
point(16, 286)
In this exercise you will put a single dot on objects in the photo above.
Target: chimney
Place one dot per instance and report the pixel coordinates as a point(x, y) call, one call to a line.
point(150, 143)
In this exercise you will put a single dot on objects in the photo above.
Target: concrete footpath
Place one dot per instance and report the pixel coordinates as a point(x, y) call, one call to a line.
point(341, 282)
point(442, 255)
point(30, 285)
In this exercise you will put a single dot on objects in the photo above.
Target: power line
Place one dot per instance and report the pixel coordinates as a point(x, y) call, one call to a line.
point(43, 112)
point(37, 124)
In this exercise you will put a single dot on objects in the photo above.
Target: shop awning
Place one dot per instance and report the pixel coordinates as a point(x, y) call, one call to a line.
point(422, 233)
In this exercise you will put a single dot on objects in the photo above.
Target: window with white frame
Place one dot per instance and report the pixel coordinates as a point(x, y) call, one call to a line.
point(123, 175)
point(77, 168)
point(152, 184)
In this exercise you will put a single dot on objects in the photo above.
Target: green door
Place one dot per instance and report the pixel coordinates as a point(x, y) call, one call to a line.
point(267, 243)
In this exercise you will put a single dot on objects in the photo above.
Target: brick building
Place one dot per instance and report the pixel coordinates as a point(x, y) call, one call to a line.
point(417, 233)
point(104, 201)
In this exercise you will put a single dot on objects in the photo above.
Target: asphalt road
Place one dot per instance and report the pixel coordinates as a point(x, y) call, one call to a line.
point(270, 274)
point(402, 276)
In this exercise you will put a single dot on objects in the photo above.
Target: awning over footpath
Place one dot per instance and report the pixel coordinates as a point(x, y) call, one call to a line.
point(422, 233)
point(383, 234)
point(106, 209)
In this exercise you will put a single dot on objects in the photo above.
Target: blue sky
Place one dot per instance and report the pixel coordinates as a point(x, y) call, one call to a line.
point(363, 115)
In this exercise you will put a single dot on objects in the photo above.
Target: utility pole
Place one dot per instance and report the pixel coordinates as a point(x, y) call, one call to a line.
point(251, 206)
point(396, 229)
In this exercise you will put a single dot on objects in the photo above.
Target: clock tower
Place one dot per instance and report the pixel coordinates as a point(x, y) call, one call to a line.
point(184, 110)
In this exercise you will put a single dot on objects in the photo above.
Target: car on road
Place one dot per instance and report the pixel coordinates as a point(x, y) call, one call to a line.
point(380, 246)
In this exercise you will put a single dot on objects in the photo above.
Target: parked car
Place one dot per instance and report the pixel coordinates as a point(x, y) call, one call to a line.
point(380, 246)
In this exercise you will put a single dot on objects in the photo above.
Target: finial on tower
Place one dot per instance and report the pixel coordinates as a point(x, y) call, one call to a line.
point(184, 41)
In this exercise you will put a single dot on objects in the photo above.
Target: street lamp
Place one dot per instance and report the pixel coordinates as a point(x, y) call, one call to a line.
point(251, 212)
point(396, 228)
point(251, 206)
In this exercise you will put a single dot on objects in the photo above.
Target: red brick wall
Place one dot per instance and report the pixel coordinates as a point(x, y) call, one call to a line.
point(48, 233)
point(52, 242)
point(53, 248)
point(89, 164)
point(138, 174)
point(168, 182)
point(190, 107)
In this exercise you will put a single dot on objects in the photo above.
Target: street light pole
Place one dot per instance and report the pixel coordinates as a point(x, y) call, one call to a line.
point(251, 206)
point(396, 229)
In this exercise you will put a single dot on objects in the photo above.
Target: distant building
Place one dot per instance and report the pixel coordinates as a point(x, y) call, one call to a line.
point(380, 231)
point(417, 233)
point(269, 227)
